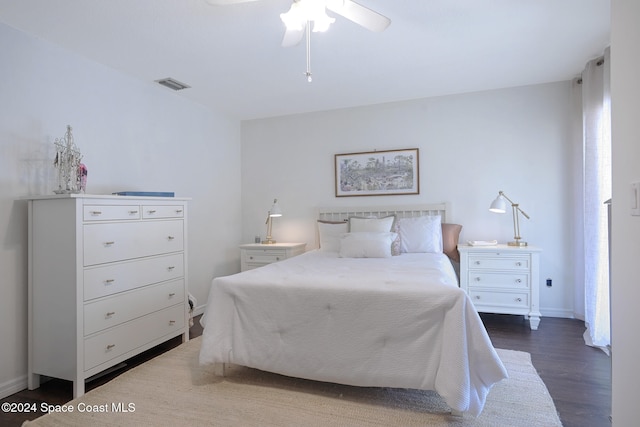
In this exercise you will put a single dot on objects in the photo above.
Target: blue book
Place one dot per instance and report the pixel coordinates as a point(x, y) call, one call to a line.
point(146, 193)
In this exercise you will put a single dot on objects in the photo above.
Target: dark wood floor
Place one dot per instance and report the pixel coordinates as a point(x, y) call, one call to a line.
point(578, 377)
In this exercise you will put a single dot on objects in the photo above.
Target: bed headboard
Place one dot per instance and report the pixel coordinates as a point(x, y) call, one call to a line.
point(343, 213)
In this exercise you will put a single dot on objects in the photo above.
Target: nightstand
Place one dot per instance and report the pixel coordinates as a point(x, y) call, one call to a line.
point(502, 279)
point(254, 255)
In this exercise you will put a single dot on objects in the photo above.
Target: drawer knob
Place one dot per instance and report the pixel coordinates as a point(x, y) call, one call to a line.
point(110, 313)
point(518, 280)
point(170, 237)
point(151, 211)
point(477, 279)
point(250, 257)
point(110, 346)
point(109, 243)
point(518, 299)
point(170, 268)
point(172, 294)
point(477, 297)
point(133, 212)
point(277, 258)
point(178, 210)
point(477, 262)
point(172, 322)
point(96, 213)
point(109, 281)
point(518, 263)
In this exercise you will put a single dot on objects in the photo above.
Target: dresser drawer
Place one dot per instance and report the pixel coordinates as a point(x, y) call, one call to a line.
point(493, 301)
point(497, 262)
point(121, 241)
point(112, 311)
point(110, 212)
point(498, 280)
point(126, 337)
point(162, 211)
point(123, 276)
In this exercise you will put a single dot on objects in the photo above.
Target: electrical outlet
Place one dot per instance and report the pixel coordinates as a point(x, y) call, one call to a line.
point(549, 283)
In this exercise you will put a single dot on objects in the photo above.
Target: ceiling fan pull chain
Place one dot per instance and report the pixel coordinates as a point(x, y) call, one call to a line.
point(308, 73)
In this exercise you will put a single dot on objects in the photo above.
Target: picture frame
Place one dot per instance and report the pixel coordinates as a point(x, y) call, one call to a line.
point(377, 173)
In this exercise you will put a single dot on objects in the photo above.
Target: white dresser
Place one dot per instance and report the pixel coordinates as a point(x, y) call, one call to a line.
point(254, 255)
point(502, 279)
point(107, 280)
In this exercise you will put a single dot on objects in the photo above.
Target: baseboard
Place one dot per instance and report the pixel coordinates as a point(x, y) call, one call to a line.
point(199, 310)
point(13, 386)
point(557, 312)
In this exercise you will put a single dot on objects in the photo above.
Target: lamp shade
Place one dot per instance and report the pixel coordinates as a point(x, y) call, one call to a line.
point(499, 205)
point(275, 210)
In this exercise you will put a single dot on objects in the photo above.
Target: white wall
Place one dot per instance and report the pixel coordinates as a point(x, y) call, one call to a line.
point(471, 145)
point(134, 135)
point(625, 283)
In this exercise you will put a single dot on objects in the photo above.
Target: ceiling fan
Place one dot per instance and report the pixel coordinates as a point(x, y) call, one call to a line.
point(302, 13)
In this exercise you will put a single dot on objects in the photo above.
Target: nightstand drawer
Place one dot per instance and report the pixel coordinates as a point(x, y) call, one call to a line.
point(254, 255)
point(493, 300)
point(496, 262)
point(265, 257)
point(498, 280)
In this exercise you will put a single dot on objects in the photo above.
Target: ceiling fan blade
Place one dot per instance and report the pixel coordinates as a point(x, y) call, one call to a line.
point(359, 14)
point(226, 2)
point(292, 37)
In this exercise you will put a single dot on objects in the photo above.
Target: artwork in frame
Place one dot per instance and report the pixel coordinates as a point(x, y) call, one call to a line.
point(377, 173)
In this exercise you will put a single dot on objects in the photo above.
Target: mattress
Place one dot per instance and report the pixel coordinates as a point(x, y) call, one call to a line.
point(383, 322)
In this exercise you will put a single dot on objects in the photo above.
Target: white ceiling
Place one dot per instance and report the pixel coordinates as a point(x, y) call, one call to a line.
point(232, 58)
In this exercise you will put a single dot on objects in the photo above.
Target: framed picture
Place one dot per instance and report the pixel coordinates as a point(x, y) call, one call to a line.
point(377, 173)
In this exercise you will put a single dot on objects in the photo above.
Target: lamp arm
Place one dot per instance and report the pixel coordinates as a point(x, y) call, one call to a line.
point(523, 213)
point(515, 205)
point(269, 226)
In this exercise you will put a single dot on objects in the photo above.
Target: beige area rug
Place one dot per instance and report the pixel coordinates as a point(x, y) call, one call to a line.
point(173, 390)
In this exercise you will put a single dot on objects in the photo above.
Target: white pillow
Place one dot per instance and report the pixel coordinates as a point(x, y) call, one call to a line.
point(329, 234)
point(384, 224)
point(366, 244)
point(359, 224)
point(421, 234)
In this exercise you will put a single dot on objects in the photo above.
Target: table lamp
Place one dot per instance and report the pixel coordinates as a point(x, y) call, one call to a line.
point(274, 212)
point(499, 205)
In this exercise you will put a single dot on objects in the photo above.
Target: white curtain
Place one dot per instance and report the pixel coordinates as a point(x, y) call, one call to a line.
point(596, 127)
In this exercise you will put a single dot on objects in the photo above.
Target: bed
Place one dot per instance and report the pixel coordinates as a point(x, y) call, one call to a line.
point(373, 308)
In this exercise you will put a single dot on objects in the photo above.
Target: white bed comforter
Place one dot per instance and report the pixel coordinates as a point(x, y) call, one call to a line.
point(385, 322)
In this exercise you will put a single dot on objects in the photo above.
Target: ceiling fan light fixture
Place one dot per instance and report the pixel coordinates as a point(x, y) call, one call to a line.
point(322, 22)
point(303, 11)
point(293, 18)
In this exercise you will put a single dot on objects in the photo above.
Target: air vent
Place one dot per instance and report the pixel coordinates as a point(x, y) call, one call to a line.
point(172, 84)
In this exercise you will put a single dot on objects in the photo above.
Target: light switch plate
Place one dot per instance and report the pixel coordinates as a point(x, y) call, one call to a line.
point(635, 198)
